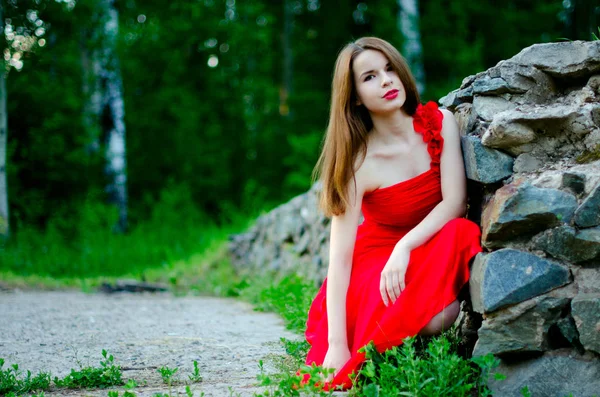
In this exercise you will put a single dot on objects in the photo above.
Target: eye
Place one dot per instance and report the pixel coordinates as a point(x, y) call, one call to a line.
point(367, 78)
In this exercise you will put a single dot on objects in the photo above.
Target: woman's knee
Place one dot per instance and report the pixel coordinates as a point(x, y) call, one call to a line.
point(443, 320)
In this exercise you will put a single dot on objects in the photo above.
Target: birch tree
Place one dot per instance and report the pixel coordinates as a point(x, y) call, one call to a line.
point(412, 49)
point(104, 111)
point(20, 34)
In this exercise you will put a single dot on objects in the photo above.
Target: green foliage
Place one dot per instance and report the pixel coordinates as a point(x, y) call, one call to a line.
point(130, 384)
point(195, 376)
point(108, 374)
point(296, 350)
point(525, 391)
point(242, 133)
point(412, 371)
point(589, 155)
point(114, 393)
point(83, 244)
point(12, 381)
point(301, 160)
point(291, 384)
point(167, 374)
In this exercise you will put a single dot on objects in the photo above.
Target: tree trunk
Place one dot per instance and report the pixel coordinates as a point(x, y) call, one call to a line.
point(412, 50)
point(4, 220)
point(288, 60)
point(104, 111)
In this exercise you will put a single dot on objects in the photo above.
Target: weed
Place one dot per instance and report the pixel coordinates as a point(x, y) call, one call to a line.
point(131, 384)
point(296, 350)
point(431, 371)
point(106, 375)
point(167, 374)
point(195, 376)
point(291, 383)
point(11, 381)
point(125, 394)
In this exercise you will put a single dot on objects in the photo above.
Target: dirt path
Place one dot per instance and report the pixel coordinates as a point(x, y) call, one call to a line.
point(53, 331)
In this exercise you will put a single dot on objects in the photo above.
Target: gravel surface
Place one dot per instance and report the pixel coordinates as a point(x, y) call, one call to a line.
point(57, 331)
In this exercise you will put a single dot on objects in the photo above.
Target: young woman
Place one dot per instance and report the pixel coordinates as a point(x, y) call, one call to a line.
point(398, 274)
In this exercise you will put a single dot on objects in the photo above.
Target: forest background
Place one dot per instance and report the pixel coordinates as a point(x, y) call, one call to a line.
point(136, 134)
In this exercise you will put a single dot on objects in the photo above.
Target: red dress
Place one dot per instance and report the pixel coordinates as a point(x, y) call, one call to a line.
point(436, 272)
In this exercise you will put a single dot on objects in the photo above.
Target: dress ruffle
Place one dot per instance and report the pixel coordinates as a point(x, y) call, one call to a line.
point(427, 120)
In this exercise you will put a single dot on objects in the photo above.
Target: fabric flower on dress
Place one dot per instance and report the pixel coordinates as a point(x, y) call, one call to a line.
point(428, 121)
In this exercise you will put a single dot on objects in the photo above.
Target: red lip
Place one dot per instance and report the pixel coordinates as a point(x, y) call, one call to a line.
point(390, 92)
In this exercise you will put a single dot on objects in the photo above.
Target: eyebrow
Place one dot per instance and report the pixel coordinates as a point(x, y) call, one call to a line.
point(371, 71)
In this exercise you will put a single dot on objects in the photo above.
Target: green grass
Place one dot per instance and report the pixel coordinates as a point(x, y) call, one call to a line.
point(423, 369)
point(108, 374)
point(14, 384)
point(168, 375)
point(12, 381)
point(82, 245)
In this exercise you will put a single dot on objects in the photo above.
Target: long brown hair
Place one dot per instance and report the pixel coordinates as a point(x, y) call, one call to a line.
point(349, 123)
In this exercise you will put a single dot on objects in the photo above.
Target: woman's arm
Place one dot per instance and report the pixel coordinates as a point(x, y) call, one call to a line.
point(341, 249)
point(454, 191)
point(453, 205)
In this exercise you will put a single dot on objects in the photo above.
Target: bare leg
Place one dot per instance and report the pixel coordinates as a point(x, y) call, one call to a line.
point(442, 321)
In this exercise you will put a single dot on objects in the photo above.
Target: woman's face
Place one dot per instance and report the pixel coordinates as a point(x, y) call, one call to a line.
point(378, 86)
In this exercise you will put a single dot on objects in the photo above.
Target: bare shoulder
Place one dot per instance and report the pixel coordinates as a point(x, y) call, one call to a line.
point(366, 173)
point(449, 125)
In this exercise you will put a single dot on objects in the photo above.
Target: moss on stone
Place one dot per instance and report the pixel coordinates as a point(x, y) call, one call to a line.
point(589, 155)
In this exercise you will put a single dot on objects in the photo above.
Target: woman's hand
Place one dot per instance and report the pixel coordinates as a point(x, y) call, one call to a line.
point(391, 283)
point(337, 355)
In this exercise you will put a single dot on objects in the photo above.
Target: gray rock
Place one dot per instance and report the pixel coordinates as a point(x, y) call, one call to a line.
point(537, 87)
point(483, 164)
point(574, 181)
point(587, 280)
point(302, 245)
point(487, 107)
point(588, 213)
point(521, 328)
point(508, 276)
point(555, 126)
point(555, 374)
point(568, 329)
point(505, 134)
point(494, 86)
point(567, 59)
point(468, 81)
point(519, 211)
point(465, 95)
point(457, 97)
point(449, 101)
point(566, 243)
point(585, 309)
point(527, 163)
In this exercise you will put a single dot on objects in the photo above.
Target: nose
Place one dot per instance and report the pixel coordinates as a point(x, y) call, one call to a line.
point(385, 78)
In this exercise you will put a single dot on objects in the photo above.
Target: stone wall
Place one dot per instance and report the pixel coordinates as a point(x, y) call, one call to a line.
point(530, 131)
